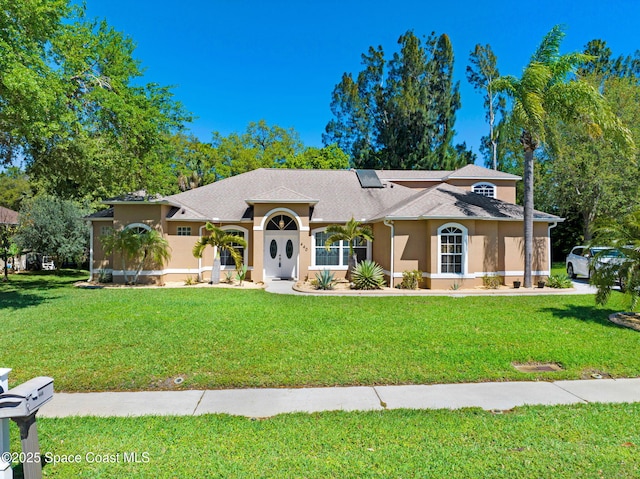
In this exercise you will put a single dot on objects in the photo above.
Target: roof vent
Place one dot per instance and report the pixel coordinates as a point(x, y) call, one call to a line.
point(369, 179)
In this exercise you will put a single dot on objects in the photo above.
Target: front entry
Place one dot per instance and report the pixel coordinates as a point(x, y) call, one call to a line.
point(281, 240)
point(281, 254)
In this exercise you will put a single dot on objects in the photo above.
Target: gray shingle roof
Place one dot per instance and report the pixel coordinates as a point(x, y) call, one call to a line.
point(337, 192)
point(447, 201)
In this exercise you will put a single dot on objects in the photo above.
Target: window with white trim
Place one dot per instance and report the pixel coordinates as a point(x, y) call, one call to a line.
point(451, 250)
point(184, 230)
point(106, 230)
point(225, 257)
point(485, 189)
point(338, 252)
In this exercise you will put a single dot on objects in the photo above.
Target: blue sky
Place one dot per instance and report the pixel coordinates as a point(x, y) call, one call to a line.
point(235, 61)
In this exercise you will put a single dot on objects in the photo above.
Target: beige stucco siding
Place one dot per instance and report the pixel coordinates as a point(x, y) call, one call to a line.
point(411, 251)
point(505, 189)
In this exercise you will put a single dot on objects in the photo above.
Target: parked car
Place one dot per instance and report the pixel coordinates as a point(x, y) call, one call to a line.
point(582, 260)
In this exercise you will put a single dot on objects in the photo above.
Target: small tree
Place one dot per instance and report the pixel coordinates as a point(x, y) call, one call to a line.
point(220, 240)
point(54, 227)
point(137, 248)
point(625, 237)
point(352, 232)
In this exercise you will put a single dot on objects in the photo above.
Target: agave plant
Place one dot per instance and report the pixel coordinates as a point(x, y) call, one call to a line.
point(324, 280)
point(368, 275)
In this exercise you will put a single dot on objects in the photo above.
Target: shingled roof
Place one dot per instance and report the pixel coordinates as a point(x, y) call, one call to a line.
point(447, 201)
point(335, 194)
point(8, 216)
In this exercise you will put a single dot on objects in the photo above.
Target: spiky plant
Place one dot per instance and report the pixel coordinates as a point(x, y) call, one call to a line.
point(368, 275)
point(325, 280)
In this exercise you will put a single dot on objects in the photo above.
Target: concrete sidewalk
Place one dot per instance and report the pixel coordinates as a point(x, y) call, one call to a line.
point(270, 402)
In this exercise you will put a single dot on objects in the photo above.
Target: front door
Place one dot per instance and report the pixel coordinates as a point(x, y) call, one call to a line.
point(281, 254)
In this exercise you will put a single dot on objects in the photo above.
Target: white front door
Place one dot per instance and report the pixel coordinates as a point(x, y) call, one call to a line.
point(281, 254)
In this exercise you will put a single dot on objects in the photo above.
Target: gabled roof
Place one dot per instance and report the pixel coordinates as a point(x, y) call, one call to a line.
point(466, 172)
point(473, 172)
point(8, 216)
point(447, 201)
point(337, 194)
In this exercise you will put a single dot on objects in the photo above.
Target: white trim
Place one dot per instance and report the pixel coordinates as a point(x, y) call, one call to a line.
point(161, 272)
point(465, 251)
point(329, 267)
point(479, 274)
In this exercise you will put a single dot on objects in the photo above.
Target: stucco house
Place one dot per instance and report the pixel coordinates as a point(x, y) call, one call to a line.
point(454, 226)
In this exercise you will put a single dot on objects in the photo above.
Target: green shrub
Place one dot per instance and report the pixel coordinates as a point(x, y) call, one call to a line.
point(242, 273)
point(105, 276)
point(368, 275)
point(324, 280)
point(559, 281)
point(410, 279)
point(228, 277)
point(491, 281)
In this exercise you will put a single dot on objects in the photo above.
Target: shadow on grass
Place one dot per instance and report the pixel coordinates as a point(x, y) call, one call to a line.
point(31, 289)
point(584, 313)
point(20, 299)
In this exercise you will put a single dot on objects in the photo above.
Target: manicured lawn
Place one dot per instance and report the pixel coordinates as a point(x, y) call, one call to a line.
point(599, 441)
point(138, 339)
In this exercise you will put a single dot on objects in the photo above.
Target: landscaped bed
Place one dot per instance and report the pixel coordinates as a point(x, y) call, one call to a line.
point(140, 339)
point(529, 442)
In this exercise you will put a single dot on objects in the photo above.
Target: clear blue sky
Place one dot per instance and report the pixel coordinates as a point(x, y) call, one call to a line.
point(235, 61)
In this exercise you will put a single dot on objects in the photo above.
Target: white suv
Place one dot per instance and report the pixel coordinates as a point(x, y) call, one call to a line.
point(581, 259)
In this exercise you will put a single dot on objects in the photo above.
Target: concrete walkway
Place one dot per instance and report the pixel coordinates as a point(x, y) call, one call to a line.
point(269, 402)
point(580, 286)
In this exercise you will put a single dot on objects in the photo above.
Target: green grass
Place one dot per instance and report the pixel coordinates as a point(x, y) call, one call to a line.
point(138, 339)
point(599, 441)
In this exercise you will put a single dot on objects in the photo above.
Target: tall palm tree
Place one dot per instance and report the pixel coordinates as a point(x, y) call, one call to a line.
point(136, 248)
point(220, 240)
point(547, 90)
point(351, 232)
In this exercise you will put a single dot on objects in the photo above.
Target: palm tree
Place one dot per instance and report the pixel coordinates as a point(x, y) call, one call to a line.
point(136, 248)
point(352, 232)
point(153, 248)
point(624, 236)
point(546, 91)
point(220, 240)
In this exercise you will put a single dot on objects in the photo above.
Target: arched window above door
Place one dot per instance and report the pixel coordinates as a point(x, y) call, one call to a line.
point(282, 223)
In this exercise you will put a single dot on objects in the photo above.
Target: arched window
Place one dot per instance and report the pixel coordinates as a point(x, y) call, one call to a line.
point(485, 189)
point(138, 228)
point(225, 258)
point(282, 223)
point(452, 249)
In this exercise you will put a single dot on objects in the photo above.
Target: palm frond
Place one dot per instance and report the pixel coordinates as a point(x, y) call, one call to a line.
point(549, 48)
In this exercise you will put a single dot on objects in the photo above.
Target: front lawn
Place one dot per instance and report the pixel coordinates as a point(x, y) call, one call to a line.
point(139, 339)
point(531, 442)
